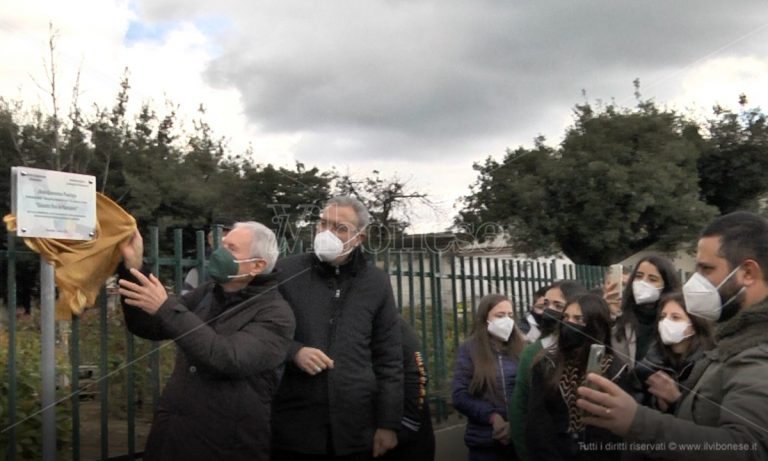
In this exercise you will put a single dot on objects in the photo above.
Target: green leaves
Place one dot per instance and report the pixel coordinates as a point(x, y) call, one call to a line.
point(621, 180)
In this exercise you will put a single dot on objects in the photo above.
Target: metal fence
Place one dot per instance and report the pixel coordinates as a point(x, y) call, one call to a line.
point(110, 382)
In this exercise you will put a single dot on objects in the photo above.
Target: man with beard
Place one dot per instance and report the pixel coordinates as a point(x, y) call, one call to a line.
point(723, 409)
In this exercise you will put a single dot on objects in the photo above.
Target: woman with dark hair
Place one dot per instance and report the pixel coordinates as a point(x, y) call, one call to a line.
point(555, 430)
point(484, 377)
point(634, 329)
point(529, 324)
point(557, 296)
point(680, 340)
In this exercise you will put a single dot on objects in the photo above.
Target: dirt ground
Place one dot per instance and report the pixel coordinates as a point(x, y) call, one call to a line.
point(90, 432)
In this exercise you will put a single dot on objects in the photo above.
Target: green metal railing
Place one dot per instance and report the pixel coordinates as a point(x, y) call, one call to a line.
point(436, 292)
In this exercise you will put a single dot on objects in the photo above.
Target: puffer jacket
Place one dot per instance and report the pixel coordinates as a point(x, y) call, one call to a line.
point(478, 410)
point(349, 313)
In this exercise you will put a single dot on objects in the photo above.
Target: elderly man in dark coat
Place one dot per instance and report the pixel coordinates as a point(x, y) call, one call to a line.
point(231, 335)
point(342, 393)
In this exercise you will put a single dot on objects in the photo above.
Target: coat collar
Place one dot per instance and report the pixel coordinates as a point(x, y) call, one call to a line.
point(238, 304)
point(747, 329)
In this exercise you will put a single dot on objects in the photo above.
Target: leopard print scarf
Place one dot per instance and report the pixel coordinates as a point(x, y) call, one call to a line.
point(571, 379)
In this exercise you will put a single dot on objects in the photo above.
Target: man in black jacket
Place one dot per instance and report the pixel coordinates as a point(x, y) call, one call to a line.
point(232, 336)
point(341, 396)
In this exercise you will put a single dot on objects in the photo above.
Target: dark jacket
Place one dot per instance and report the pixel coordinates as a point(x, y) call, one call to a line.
point(349, 313)
point(724, 409)
point(654, 361)
point(478, 410)
point(547, 437)
point(216, 404)
point(415, 439)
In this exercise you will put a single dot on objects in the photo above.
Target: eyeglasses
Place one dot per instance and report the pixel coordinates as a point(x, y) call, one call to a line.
point(342, 228)
point(554, 305)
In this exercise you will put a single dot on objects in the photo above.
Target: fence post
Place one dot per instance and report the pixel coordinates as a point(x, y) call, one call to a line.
point(178, 270)
point(455, 304)
point(47, 358)
point(472, 284)
point(103, 371)
point(411, 294)
point(423, 299)
point(74, 361)
point(154, 359)
point(399, 280)
point(463, 294)
point(11, 274)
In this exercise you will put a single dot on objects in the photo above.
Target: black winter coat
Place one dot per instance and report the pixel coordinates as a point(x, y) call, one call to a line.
point(348, 312)
point(216, 404)
point(547, 436)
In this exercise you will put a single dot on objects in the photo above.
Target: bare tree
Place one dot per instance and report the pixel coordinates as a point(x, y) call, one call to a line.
point(389, 200)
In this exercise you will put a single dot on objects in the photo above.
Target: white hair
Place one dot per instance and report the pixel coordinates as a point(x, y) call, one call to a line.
point(363, 216)
point(263, 243)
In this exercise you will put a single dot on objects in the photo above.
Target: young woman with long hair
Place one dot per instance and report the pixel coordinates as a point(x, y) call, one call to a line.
point(556, 297)
point(679, 341)
point(555, 430)
point(484, 377)
point(633, 330)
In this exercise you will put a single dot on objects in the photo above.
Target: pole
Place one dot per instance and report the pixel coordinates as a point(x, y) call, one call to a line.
point(47, 359)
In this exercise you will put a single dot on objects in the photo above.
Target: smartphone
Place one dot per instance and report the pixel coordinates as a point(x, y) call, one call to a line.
point(616, 275)
point(595, 361)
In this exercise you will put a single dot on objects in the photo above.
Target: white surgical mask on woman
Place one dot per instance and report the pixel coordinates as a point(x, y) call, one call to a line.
point(501, 327)
point(673, 332)
point(644, 292)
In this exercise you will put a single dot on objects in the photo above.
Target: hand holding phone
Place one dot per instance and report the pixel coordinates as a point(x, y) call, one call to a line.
point(616, 276)
point(595, 361)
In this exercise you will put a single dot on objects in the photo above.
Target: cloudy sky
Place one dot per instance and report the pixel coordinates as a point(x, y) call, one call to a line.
point(417, 88)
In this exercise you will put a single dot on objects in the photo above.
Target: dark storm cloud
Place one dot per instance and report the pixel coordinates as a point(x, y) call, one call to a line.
point(362, 75)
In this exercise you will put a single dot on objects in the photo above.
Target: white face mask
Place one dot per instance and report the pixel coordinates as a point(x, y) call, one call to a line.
point(501, 328)
point(673, 332)
point(644, 292)
point(328, 246)
point(702, 298)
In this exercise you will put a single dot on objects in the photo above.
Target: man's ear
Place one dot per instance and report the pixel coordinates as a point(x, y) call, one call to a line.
point(753, 273)
point(258, 267)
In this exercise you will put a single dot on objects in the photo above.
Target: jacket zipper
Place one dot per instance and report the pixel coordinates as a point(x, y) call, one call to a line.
point(503, 381)
point(336, 297)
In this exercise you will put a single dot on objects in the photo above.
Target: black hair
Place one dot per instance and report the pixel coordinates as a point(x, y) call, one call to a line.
point(743, 235)
point(541, 292)
point(597, 328)
point(571, 290)
point(628, 304)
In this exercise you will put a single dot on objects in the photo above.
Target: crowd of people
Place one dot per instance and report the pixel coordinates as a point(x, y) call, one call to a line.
point(307, 358)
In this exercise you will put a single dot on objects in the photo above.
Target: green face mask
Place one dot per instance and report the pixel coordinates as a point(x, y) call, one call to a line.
point(223, 267)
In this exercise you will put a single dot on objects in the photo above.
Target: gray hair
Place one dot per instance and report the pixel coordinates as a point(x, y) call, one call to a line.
point(263, 243)
point(363, 217)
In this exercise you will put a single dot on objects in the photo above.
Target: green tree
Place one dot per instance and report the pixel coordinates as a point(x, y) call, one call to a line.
point(622, 179)
point(734, 158)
